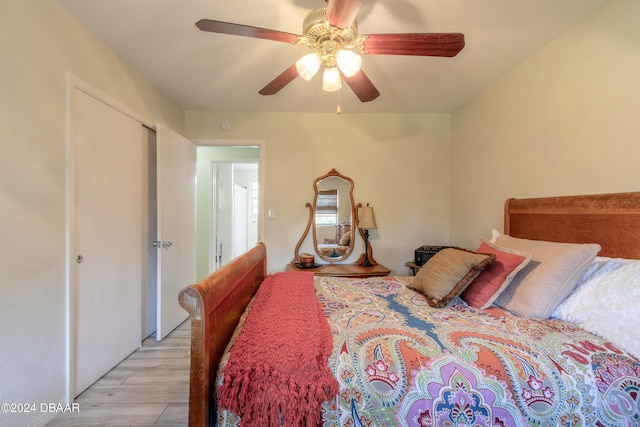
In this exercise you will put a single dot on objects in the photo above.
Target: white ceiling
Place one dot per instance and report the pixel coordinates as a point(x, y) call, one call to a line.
point(207, 71)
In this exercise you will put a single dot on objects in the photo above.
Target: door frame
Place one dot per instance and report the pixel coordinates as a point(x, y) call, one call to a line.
point(74, 83)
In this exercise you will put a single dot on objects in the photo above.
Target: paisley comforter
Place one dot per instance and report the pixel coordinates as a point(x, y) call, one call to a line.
point(400, 362)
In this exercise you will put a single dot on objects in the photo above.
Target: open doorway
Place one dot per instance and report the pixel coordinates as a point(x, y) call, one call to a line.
point(234, 223)
point(228, 204)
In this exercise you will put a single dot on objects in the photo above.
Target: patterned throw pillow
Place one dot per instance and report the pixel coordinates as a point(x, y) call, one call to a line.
point(448, 273)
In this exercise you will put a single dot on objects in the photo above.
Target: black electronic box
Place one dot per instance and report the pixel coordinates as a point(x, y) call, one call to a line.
point(423, 253)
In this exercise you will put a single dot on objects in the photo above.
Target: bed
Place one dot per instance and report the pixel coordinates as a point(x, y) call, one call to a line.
point(399, 360)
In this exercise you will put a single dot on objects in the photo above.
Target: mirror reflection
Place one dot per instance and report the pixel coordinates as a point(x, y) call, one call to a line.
point(333, 217)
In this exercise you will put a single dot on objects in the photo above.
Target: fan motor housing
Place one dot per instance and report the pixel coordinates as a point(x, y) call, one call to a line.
point(316, 29)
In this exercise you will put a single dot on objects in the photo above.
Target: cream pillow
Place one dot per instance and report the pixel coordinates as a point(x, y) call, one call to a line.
point(550, 276)
point(446, 274)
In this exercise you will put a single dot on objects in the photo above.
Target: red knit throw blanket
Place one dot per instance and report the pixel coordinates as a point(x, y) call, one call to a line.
point(278, 373)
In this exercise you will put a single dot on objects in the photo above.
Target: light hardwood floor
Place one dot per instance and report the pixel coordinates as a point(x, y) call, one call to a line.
point(148, 388)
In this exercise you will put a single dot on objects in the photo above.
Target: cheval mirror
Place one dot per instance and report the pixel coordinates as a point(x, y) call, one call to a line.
point(332, 217)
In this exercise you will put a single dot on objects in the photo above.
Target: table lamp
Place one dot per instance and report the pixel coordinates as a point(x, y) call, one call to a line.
point(367, 222)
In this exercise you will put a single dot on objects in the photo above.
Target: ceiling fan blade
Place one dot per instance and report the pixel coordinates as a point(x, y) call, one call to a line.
point(419, 44)
point(286, 77)
point(362, 86)
point(245, 30)
point(342, 13)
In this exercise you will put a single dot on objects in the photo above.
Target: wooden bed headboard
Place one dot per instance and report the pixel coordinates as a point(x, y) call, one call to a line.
point(215, 305)
point(611, 220)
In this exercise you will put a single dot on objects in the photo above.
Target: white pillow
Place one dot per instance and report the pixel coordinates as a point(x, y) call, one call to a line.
point(606, 302)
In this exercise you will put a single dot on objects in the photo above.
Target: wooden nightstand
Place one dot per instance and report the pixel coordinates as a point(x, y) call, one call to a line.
point(344, 270)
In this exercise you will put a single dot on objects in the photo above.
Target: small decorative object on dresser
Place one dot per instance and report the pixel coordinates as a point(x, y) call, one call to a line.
point(307, 260)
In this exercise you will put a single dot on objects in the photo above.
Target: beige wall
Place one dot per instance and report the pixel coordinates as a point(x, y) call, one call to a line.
point(39, 44)
point(567, 121)
point(400, 165)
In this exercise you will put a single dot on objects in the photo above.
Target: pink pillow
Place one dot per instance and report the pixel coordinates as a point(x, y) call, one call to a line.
point(495, 278)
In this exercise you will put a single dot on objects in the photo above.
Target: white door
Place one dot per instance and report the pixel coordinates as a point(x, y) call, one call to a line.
point(176, 169)
point(105, 271)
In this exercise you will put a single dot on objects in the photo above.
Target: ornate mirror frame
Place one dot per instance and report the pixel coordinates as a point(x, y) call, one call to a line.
point(312, 216)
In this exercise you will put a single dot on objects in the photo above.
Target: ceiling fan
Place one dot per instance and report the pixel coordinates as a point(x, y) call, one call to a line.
point(332, 34)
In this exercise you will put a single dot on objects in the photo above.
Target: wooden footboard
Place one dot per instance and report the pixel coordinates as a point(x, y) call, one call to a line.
point(215, 305)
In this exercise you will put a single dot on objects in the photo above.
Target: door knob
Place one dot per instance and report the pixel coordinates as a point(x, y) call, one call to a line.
point(166, 244)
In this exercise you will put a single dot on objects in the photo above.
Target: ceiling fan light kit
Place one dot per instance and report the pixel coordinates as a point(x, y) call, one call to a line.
point(331, 79)
point(330, 45)
point(332, 33)
point(349, 62)
point(308, 65)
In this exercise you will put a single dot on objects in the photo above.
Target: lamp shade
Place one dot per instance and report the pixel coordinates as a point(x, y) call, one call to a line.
point(367, 219)
point(308, 65)
point(331, 79)
point(349, 62)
